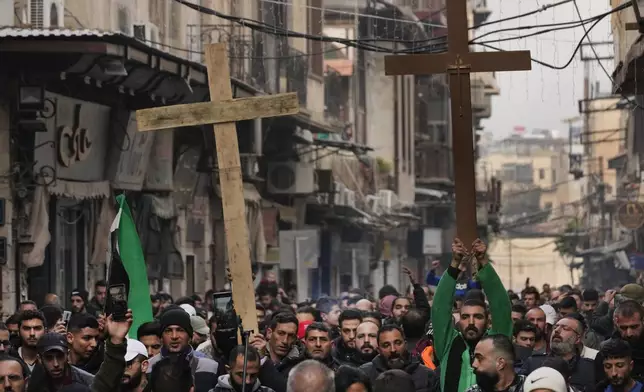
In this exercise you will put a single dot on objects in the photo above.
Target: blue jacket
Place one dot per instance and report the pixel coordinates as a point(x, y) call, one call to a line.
point(461, 287)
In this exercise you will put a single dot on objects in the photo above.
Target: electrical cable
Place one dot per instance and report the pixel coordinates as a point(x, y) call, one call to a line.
point(359, 43)
point(566, 26)
point(529, 13)
point(543, 63)
point(601, 65)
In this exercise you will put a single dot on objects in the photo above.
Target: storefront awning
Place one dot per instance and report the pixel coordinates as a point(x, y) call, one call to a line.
point(80, 190)
point(75, 55)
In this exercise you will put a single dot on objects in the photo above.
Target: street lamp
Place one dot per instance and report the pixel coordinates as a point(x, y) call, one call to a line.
point(638, 8)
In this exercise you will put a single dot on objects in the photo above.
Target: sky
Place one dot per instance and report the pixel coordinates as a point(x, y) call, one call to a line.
point(543, 97)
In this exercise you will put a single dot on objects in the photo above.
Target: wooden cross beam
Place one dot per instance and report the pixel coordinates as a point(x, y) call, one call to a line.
point(459, 62)
point(224, 111)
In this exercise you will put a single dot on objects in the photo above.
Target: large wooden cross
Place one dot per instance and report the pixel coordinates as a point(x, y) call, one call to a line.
point(224, 111)
point(459, 62)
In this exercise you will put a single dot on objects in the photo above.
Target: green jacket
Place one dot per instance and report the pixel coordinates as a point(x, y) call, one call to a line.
point(445, 335)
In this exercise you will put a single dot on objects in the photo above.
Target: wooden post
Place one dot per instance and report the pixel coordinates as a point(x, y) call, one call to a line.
point(224, 111)
point(459, 62)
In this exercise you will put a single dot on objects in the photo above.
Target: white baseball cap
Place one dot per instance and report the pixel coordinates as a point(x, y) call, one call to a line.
point(551, 314)
point(545, 378)
point(134, 349)
point(189, 309)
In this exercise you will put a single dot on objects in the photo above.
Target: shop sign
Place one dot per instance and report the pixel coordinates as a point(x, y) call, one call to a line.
point(631, 215)
point(74, 142)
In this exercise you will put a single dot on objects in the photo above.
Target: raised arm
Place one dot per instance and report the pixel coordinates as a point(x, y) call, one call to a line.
point(442, 320)
point(500, 305)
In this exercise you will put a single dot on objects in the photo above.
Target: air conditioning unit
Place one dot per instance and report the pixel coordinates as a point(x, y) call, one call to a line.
point(148, 33)
point(249, 165)
point(290, 178)
point(373, 203)
point(350, 198)
point(46, 13)
point(388, 199)
point(338, 194)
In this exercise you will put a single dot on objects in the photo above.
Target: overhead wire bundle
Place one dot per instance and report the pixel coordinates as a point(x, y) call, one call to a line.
point(432, 45)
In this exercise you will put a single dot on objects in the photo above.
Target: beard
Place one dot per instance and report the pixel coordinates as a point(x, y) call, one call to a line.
point(397, 361)
point(562, 348)
point(129, 383)
point(619, 383)
point(238, 387)
point(367, 356)
point(471, 333)
point(486, 381)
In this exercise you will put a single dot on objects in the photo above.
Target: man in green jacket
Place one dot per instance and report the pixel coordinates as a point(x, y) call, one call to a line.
point(454, 348)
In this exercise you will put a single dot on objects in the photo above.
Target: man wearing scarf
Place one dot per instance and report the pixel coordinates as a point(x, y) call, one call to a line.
point(176, 332)
point(454, 348)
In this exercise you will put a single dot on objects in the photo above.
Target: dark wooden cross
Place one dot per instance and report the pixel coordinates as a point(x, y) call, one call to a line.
point(459, 62)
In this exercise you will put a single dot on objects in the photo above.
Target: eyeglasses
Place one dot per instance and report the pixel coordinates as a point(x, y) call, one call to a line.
point(566, 328)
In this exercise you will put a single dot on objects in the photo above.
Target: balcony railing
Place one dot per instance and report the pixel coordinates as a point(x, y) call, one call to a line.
point(245, 51)
point(433, 163)
point(335, 96)
point(293, 68)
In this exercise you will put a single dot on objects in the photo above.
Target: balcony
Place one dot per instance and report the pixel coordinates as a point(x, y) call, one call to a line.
point(433, 164)
point(336, 96)
point(293, 68)
point(246, 52)
point(481, 11)
point(478, 94)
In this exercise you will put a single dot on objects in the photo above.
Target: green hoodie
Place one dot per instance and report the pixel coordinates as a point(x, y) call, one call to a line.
point(445, 335)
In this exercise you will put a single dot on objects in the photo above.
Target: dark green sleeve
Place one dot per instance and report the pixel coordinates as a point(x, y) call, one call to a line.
point(442, 320)
point(110, 373)
point(497, 296)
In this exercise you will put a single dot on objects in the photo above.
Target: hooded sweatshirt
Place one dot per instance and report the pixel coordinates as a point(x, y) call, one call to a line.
point(223, 385)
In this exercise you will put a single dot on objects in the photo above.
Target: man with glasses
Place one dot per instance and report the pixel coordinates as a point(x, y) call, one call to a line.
point(14, 374)
point(5, 342)
point(136, 366)
point(566, 343)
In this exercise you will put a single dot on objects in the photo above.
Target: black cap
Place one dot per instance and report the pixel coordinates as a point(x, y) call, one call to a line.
point(52, 341)
point(178, 317)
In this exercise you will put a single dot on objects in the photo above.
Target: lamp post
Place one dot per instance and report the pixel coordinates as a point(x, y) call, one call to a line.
point(638, 8)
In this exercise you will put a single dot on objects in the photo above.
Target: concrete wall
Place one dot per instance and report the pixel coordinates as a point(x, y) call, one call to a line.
point(606, 128)
point(381, 123)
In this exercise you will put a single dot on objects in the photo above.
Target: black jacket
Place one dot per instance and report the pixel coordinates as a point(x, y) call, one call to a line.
point(424, 378)
point(582, 370)
point(344, 355)
point(41, 382)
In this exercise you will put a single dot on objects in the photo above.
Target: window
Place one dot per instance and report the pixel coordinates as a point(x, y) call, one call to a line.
point(53, 16)
point(36, 15)
point(123, 18)
point(542, 174)
point(315, 26)
point(175, 20)
point(554, 177)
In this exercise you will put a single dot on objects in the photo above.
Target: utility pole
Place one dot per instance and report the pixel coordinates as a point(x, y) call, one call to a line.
point(601, 195)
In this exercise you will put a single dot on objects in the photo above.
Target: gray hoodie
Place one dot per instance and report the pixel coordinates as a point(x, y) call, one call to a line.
point(223, 385)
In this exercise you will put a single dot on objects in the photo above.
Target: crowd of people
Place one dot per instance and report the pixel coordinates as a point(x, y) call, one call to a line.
point(459, 330)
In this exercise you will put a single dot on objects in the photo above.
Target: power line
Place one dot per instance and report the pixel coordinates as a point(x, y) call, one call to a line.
point(587, 31)
point(592, 47)
point(529, 13)
point(359, 43)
